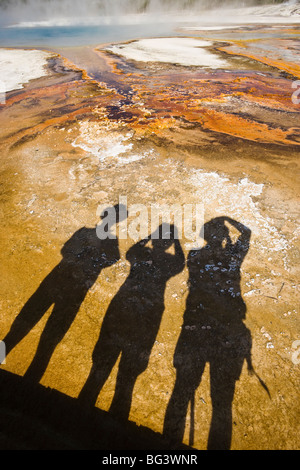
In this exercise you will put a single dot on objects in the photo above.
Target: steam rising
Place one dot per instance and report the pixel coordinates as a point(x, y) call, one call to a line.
point(96, 11)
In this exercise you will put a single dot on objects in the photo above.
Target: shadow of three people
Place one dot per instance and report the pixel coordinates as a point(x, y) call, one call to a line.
point(212, 332)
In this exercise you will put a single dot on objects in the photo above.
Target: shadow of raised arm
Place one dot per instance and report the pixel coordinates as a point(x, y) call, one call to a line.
point(243, 243)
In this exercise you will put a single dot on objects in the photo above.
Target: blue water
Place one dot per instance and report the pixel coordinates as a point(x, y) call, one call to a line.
point(80, 35)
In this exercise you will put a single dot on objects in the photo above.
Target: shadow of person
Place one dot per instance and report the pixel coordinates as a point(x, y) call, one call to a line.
point(132, 320)
point(213, 332)
point(84, 256)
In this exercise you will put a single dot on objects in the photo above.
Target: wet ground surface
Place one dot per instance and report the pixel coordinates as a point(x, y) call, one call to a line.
point(99, 127)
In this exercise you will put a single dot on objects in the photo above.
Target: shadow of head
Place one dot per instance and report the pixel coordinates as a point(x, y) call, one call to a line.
point(216, 233)
point(114, 214)
point(164, 236)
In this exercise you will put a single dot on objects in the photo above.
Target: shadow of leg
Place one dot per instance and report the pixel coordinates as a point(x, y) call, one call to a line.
point(223, 379)
point(29, 316)
point(175, 418)
point(187, 381)
point(55, 329)
point(129, 370)
point(104, 358)
point(221, 426)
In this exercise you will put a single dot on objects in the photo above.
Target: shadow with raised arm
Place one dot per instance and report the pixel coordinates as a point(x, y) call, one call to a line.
point(213, 332)
point(84, 256)
point(133, 318)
